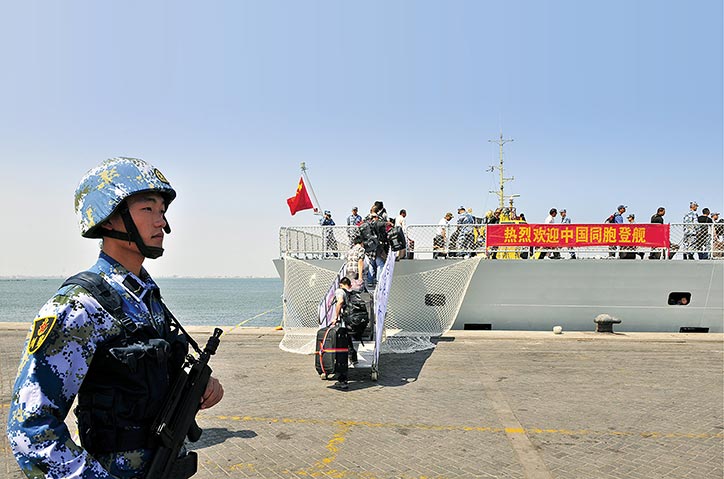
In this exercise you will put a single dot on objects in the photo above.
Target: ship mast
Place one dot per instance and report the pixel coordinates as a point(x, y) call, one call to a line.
point(503, 179)
point(317, 208)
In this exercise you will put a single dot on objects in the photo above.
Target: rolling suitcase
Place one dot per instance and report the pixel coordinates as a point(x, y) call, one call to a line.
point(331, 351)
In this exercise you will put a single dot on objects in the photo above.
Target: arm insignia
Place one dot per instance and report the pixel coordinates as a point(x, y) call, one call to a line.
point(41, 330)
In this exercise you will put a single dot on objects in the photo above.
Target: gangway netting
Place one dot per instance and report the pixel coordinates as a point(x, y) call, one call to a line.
point(424, 305)
point(421, 305)
point(304, 287)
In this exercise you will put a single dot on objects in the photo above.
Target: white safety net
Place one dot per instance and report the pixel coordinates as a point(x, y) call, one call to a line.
point(304, 287)
point(424, 305)
point(421, 306)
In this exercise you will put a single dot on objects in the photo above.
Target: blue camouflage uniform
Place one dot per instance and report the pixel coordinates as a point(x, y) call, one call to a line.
point(690, 233)
point(466, 239)
point(353, 220)
point(67, 332)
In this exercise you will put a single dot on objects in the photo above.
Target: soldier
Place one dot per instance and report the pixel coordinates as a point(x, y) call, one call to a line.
point(330, 241)
point(78, 348)
point(466, 234)
point(354, 219)
point(690, 231)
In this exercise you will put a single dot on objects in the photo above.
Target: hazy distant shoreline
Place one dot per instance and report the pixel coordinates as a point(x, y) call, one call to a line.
point(21, 277)
point(255, 302)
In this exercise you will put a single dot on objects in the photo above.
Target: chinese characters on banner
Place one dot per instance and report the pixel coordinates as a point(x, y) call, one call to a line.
point(547, 235)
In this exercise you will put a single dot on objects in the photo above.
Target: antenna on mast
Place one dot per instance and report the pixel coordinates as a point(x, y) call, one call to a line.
point(317, 208)
point(503, 179)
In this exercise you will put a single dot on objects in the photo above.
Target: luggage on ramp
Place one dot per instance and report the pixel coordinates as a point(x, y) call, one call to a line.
point(331, 351)
point(362, 332)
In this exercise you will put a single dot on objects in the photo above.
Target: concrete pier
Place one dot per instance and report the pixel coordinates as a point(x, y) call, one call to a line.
point(490, 404)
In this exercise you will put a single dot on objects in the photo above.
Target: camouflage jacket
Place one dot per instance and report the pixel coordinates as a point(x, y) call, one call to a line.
point(66, 333)
point(690, 217)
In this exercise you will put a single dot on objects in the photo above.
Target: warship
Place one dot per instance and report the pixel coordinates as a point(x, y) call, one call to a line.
point(482, 285)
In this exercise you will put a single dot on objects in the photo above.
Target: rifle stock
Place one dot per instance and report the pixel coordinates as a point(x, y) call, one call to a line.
point(177, 419)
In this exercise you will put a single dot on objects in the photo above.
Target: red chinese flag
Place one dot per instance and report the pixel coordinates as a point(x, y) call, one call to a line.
point(301, 200)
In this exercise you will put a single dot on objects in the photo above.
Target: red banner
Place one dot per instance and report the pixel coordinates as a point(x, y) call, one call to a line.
point(574, 235)
point(300, 201)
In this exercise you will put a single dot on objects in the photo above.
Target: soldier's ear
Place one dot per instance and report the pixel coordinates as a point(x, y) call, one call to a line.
point(109, 223)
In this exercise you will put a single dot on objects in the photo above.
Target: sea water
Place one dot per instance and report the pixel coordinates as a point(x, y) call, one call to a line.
point(194, 301)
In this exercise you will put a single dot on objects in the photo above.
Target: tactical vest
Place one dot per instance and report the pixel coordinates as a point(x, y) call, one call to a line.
point(128, 378)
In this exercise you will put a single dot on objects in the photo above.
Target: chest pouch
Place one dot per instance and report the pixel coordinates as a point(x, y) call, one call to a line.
point(128, 378)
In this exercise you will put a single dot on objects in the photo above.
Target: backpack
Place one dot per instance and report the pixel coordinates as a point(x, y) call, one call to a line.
point(355, 313)
point(369, 237)
point(611, 219)
point(381, 230)
point(396, 238)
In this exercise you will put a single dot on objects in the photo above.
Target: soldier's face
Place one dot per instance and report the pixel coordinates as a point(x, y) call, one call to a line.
point(148, 212)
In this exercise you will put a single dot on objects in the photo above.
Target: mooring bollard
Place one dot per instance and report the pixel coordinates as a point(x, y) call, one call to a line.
point(604, 323)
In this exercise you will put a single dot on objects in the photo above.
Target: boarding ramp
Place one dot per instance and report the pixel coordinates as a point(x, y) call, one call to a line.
point(420, 307)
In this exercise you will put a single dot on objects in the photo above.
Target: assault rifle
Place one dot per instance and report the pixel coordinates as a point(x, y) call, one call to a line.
point(176, 420)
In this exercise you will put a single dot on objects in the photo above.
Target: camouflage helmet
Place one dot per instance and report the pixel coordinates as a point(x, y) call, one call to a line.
point(106, 186)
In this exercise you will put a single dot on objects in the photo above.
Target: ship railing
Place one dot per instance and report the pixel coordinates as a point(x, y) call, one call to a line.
point(697, 240)
point(701, 240)
point(315, 242)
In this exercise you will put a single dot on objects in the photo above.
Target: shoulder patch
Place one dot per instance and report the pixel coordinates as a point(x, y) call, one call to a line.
point(41, 330)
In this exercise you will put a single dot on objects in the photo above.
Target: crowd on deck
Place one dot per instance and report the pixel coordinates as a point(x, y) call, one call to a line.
point(460, 232)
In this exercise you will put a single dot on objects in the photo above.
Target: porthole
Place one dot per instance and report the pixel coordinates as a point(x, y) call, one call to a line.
point(679, 298)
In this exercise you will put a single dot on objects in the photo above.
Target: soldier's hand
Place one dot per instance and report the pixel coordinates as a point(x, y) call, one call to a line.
point(213, 394)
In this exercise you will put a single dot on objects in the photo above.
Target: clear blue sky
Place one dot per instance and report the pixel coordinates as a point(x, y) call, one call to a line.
point(608, 102)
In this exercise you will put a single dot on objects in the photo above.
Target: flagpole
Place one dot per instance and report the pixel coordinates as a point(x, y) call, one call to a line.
point(318, 208)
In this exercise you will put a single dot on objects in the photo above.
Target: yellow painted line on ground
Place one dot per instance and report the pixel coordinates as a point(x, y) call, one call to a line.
point(243, 466)
point(241, 323)
point(322, 467)
point(433, 427)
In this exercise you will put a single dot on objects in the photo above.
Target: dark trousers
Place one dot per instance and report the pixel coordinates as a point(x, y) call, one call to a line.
point(343, 377)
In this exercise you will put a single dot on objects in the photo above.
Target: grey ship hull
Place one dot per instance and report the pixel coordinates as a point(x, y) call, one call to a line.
point(537, 295)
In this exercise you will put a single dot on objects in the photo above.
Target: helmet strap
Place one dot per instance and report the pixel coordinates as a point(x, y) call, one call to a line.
point(132, 236)
point(152, 252)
